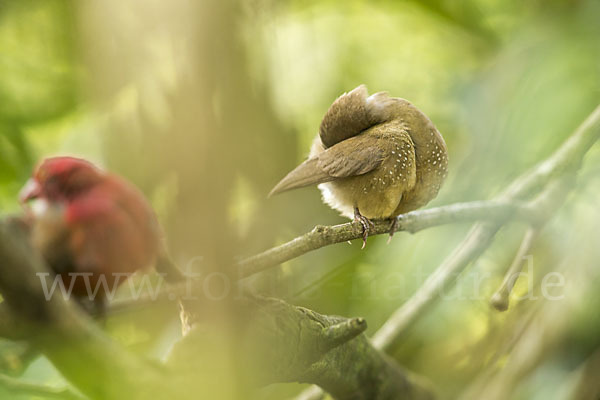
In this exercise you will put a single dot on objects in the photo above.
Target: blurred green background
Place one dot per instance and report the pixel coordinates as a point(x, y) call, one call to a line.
point(206, 105)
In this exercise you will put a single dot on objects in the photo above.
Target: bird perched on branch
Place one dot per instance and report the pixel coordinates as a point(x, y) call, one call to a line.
point(85, 221)
point(375, 157)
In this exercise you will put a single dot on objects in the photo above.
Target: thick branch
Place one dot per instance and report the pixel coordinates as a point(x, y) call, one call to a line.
point(294, 344)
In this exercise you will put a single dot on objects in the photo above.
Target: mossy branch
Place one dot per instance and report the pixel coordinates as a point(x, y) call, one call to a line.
point(285, 343)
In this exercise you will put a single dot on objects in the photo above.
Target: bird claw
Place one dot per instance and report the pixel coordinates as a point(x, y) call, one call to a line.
point(393, 228)
point(366, 225)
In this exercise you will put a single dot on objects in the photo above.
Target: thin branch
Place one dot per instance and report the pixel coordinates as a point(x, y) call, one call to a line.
point(501, 298)
point(478, 239)
point(546, 204)
point(413, 221)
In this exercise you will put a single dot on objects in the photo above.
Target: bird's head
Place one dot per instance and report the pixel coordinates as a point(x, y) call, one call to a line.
point(60, 179)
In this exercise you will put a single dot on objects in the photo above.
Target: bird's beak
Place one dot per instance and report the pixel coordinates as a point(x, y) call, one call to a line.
point(30, 191)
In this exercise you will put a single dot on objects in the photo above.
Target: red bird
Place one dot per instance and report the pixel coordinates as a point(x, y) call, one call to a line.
point(90, 222)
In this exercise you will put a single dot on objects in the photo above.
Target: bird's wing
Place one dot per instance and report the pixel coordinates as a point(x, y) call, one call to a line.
point(104, 236)
point(355, 156)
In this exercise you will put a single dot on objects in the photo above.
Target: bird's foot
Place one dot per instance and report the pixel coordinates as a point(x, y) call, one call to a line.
point(366, 225)
point(393, 228)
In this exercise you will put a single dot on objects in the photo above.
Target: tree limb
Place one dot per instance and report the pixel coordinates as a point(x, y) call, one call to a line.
point(294, 344)
point(413, 221)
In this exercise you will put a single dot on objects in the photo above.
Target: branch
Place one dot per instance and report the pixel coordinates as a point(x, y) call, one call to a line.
point(546, 203)
point(501, 298)
point(413, 221)
point(285, 343)
point(477, 240)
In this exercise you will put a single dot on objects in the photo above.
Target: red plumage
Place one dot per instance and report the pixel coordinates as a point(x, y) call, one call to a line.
point(86, 220)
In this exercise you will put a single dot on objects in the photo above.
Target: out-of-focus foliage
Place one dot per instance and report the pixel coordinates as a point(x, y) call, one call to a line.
point(135, 85)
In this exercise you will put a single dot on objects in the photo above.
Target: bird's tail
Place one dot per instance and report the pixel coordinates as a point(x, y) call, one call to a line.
point(305, 174)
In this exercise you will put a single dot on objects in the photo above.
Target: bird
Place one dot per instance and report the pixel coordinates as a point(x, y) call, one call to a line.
point(374, 157)
point(87, 221)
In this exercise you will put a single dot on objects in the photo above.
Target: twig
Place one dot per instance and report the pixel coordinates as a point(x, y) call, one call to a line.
point(546, 204)
point(413, 221)
point(500, 299)
point(478, 239)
